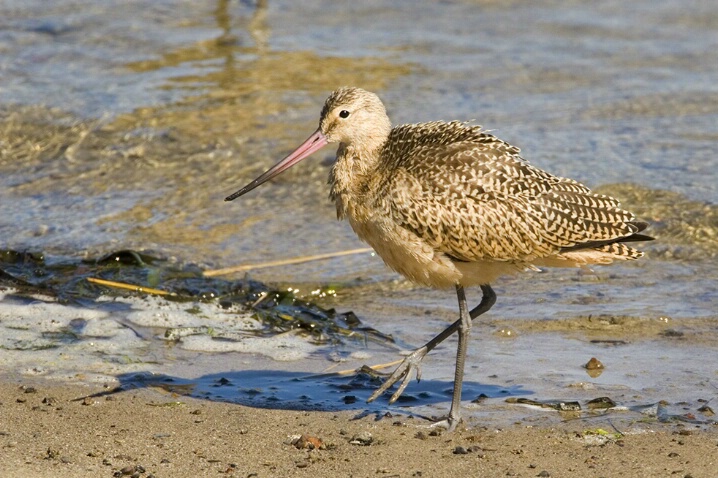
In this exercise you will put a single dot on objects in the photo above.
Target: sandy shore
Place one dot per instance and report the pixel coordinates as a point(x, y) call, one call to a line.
point(58, 430)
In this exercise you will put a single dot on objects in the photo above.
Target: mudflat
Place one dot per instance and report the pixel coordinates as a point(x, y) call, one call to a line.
point(50, 430)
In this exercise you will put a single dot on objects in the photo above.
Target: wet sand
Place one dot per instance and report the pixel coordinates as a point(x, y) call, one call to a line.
point(58, 430)
point(113, 140)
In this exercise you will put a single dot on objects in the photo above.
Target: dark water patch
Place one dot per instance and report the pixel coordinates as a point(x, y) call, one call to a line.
point(278, 389)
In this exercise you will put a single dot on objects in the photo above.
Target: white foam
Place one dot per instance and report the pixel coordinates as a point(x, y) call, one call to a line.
point(285, 347)
point(45, 338)
point(158, 312)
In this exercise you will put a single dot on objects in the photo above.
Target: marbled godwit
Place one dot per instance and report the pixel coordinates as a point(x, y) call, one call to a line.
point(450, 205)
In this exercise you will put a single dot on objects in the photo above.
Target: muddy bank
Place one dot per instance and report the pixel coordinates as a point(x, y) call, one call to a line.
point(61, 430)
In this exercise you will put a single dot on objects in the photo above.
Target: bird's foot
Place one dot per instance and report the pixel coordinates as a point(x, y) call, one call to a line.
point(449, 423)
point(412, 363)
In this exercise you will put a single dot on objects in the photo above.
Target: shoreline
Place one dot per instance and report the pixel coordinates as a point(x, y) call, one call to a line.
point(49, 430)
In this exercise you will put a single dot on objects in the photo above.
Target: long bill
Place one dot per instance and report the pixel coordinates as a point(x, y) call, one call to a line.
point(313, 144)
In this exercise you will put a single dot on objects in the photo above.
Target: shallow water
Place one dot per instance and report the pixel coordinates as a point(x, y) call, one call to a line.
point(120, 130)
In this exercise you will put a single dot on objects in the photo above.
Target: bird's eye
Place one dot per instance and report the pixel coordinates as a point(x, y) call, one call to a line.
point(343, 114)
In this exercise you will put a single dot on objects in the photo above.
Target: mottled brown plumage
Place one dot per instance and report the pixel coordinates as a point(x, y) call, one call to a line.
point(447, 204)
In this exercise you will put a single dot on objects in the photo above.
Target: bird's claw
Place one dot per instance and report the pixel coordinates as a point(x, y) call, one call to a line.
point(449, 424)
point(412, 363)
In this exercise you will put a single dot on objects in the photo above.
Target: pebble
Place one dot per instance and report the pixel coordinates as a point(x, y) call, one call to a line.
point(593, 364)
point(601, 402)
point(480, 398)
point(362, 438)
point(706, 410)
point(308, 442)
point(49, 400)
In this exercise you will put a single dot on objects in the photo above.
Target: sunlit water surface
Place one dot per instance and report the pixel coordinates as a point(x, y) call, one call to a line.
point(127, 130)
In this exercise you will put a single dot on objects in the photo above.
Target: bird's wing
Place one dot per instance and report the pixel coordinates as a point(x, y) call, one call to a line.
point(477, 201)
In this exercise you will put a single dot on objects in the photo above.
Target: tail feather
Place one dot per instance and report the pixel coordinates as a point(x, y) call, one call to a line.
point(601, 245)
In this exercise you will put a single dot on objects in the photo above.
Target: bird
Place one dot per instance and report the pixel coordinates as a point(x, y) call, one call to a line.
point(450, 205)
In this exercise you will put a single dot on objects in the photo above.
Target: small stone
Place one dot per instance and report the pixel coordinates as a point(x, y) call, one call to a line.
point(460, 450)
point(480, 398)
point(128, 470)
point(593, 364)
point(706, 410)
point(308, 442)
point(600, 403)
point(544, 474)
point(362, 438)
point(673, 454)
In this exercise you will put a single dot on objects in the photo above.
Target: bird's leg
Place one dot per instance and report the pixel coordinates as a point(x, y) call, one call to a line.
point(412, 363)
point(454, 417)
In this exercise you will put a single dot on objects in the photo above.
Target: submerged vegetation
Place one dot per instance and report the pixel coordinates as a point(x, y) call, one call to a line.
point(72, 281)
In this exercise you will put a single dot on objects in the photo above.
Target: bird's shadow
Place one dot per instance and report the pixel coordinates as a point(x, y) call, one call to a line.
point(281, 390)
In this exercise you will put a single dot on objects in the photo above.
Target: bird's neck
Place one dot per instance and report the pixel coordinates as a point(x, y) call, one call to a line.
point(350, 177)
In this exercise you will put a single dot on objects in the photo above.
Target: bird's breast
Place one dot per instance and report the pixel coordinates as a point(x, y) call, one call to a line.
point(403, 251)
